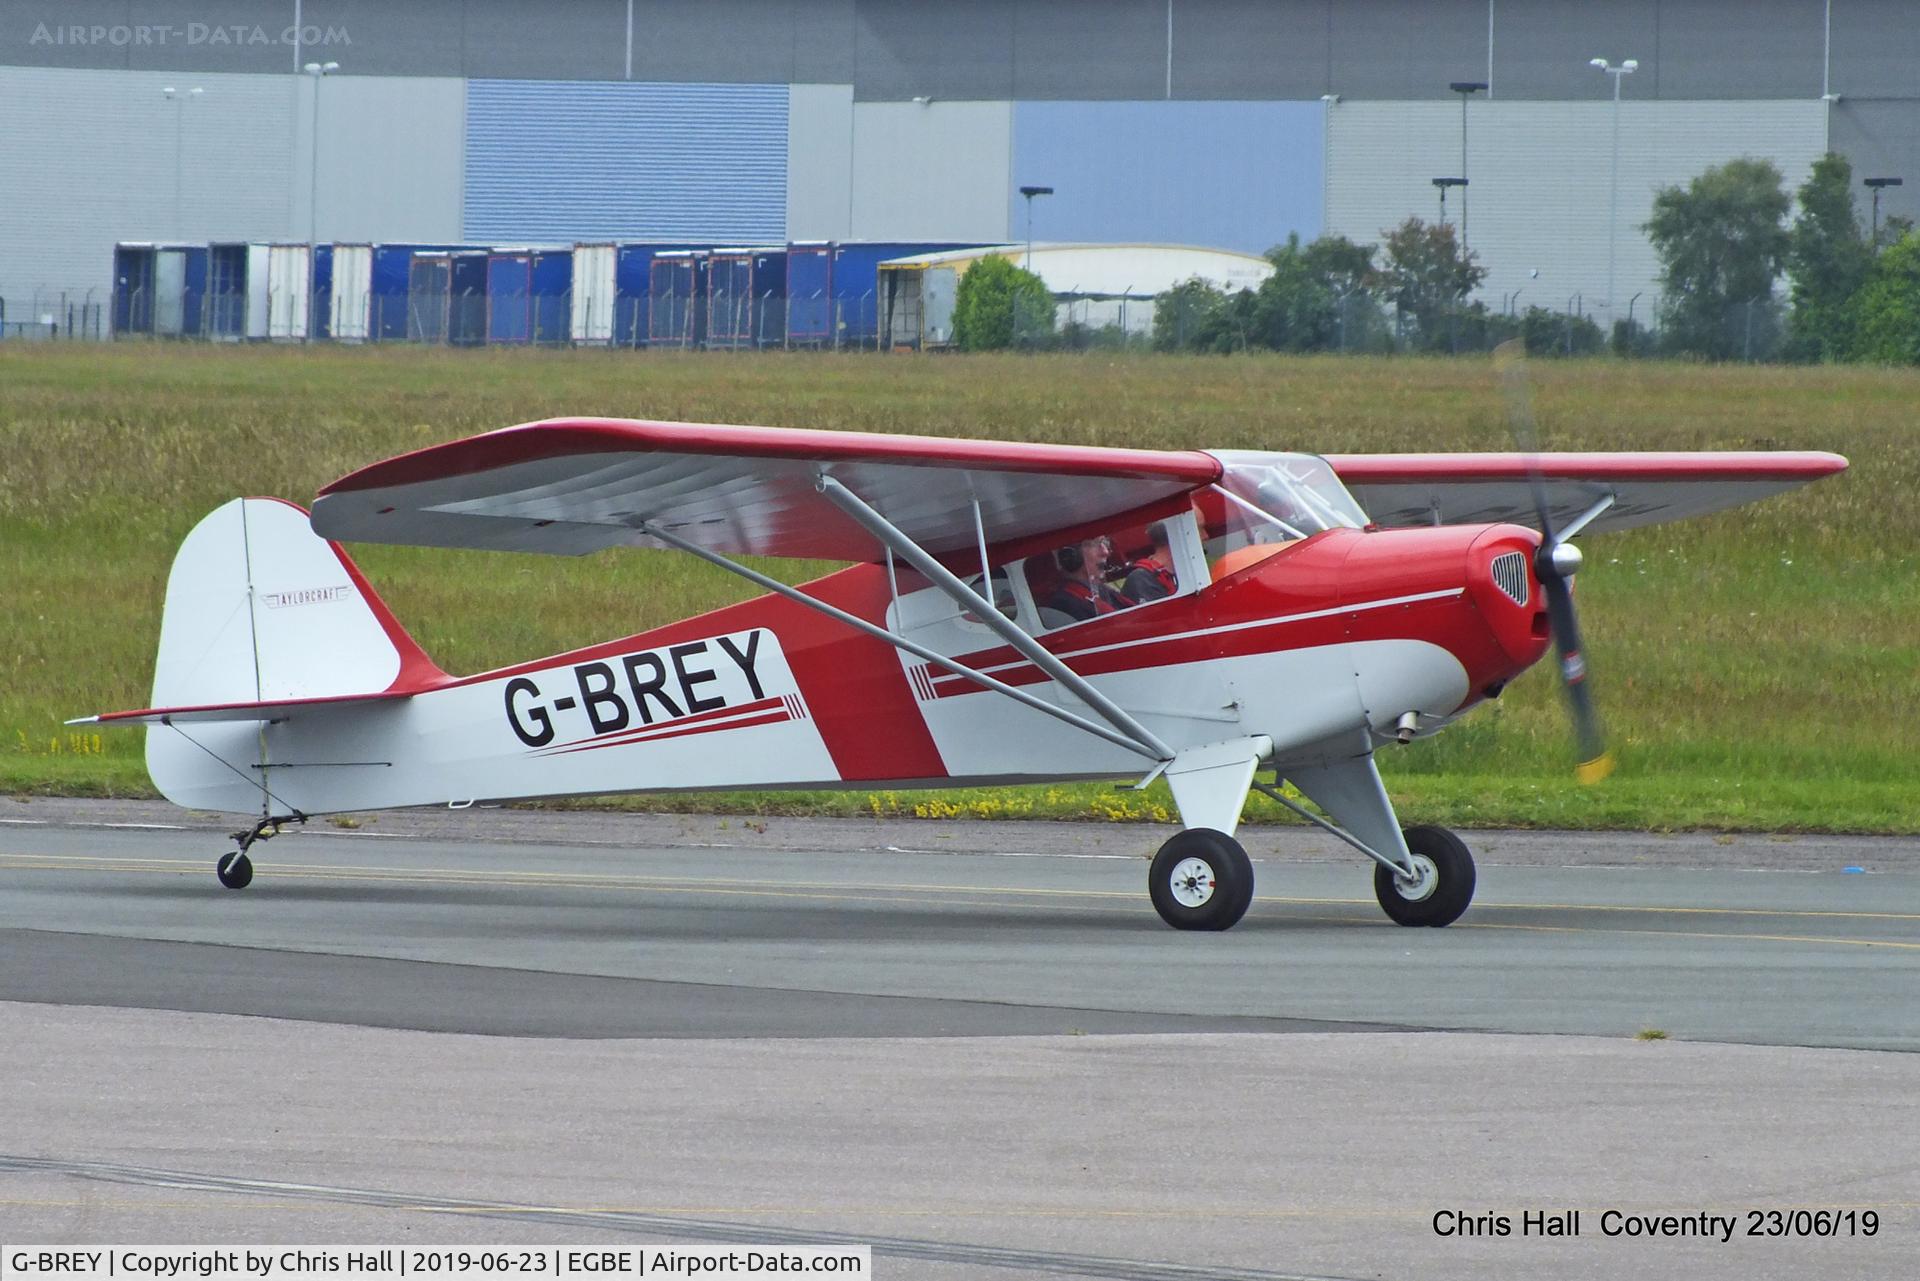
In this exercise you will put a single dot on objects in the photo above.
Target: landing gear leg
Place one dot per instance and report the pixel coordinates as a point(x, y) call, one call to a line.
point(1423, 875)
point(235, 870)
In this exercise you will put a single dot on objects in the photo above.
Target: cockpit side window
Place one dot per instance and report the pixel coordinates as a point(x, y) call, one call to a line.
point(1114, 571)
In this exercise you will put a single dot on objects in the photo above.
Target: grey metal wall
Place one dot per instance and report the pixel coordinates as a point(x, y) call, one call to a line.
point(998, 49)
point(1227, 175)
point(1540, 193)
point(89, 158)
point(94, 157)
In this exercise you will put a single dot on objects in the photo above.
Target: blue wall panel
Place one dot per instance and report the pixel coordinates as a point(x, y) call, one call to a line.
point(564, 161)
point(1224, 175)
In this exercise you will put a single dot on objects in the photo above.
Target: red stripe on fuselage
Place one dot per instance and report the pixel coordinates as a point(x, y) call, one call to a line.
point(769, 718)
point(635, 732)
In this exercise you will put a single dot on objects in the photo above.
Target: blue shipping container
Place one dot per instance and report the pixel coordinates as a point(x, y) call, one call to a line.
point(746, 297)
point(320, 293)
point(677, 298)
point(133, 289)
point(226, 291)
point(552, 283)
point(809, 294)
point(509, 298)
point(388, 286)
point(633, 284)
point(467, 298)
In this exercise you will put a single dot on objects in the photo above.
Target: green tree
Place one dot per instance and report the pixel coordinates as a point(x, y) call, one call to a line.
point(1293, 309)
point(1195, 316)
point(1721, 240)
point(1342, 266)
point(1828, 259)
point(1427, 277)
point(1001, 305)
point(1886, 311)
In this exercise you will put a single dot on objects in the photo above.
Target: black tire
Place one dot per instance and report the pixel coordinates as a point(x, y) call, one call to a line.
point(234, 870)
point(1453, 885)
point(1217, 905)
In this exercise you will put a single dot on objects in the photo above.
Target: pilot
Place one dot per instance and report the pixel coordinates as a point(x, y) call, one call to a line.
point(1082, 591)
point(1151, 577)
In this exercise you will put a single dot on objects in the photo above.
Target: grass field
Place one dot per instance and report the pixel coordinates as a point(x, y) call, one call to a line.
point(1758, 669)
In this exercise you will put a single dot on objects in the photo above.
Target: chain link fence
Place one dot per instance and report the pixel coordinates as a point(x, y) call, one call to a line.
point(717, 321)
point(53, 317)
point(1356, 323)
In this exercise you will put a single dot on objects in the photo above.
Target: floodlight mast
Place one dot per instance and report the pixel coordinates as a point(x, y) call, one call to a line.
point(1618, 73)
point(1876, 185)
point(1030, 193)
point(1466, 89)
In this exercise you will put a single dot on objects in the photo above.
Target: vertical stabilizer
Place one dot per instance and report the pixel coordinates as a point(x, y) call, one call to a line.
point(260, 608)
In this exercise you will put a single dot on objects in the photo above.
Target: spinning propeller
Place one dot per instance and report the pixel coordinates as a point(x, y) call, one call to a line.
point(1555, 564)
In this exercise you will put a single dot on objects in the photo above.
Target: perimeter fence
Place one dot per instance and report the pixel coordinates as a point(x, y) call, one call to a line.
point(1752, 331)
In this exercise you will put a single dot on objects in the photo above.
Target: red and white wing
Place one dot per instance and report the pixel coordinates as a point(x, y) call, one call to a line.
point(572, 486)
point(1647, 488)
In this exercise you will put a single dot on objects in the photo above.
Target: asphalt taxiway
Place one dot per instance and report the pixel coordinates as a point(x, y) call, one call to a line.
point(974, 1046)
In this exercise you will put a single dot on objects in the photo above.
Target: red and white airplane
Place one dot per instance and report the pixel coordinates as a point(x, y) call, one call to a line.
point(1013, 613)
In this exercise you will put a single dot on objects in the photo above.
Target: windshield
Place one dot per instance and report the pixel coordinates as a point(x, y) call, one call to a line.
point(1295, 495)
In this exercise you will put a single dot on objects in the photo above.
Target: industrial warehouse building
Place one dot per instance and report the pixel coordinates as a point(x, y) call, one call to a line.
point(1223, 123)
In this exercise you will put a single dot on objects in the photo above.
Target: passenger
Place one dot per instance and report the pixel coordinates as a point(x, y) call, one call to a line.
point(1151, 577)
point(1082, 592)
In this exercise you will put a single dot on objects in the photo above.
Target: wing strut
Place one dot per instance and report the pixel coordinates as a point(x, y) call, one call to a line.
point(1142, 739)
point(894, 638)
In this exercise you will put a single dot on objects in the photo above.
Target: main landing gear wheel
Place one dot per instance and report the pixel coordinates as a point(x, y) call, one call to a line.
point(1442, 886)
point(234, 870)
point(1201, 880)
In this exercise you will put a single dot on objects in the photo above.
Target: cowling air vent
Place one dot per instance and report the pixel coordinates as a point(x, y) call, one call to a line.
point(1510, 575)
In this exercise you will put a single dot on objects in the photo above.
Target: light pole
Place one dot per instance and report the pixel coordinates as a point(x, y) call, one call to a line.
point(1030, 193)
point(1442, 184)
point(1875, 185)
point(1618, 73)
point(1328, 101)
point(1466, 89)
point(180, 101)
point(319, 71)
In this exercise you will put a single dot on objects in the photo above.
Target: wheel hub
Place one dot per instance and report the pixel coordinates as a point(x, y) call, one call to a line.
point(1420, 886)
point(1192, 882)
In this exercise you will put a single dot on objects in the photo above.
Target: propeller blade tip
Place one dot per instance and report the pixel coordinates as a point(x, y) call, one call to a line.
point(1595, 770)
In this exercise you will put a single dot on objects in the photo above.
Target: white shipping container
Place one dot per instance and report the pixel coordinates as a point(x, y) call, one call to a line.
point(258, 293)
point(350, 313)
point(289, 273)
point(593, 293)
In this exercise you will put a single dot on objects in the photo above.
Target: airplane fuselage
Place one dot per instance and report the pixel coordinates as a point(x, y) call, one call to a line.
point(1339, 635)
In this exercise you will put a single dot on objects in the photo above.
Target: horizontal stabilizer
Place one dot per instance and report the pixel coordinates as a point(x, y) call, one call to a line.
point(280, 710)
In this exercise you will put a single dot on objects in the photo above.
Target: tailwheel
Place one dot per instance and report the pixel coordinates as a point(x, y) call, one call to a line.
point(234, 870)
point(1442, 884)
point(1201, 880)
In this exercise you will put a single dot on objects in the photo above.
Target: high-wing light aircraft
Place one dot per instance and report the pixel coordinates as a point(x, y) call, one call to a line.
point(1013, 613)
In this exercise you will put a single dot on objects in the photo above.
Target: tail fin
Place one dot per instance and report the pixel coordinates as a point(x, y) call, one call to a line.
point(262, 609)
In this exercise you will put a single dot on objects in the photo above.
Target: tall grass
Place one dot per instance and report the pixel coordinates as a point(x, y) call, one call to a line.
point(1758, 668)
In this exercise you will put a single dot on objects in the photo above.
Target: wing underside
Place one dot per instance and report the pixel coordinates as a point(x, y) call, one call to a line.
point(1644, 488)
point(570, 487)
